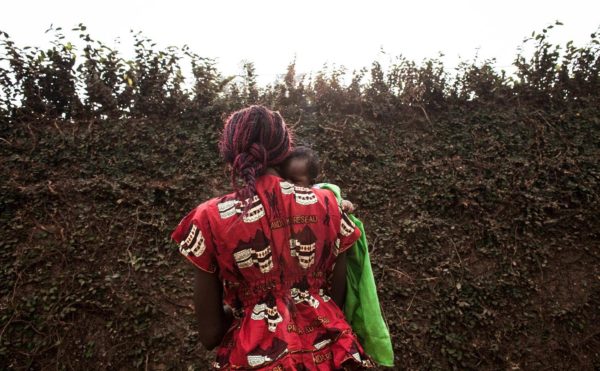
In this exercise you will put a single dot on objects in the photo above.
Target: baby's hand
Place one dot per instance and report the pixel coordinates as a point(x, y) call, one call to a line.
point(347, 206)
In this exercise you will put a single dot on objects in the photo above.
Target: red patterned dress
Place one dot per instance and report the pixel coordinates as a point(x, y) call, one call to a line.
point(275, 262)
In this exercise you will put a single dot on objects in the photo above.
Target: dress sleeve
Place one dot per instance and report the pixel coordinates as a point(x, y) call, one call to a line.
point(349, 233)
point(193, 234)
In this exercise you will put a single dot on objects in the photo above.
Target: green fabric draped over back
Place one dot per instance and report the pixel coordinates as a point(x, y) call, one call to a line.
point(361, 308)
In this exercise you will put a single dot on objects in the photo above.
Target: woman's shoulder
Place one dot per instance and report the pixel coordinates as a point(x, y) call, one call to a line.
point(206, 210)
point(211, 206)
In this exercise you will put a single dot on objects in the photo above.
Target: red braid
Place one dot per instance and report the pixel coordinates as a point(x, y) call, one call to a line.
point(253, 139)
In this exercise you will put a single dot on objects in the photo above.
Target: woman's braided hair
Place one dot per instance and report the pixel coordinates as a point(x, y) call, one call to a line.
point(253, 139)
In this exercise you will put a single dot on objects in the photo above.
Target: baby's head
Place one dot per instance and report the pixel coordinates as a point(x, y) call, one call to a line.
point(301, 167)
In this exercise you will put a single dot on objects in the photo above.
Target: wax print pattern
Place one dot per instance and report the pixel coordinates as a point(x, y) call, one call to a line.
point(275, 254)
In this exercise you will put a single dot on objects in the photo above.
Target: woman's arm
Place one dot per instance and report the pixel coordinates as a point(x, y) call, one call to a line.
point(213, 319)
point(338, 284)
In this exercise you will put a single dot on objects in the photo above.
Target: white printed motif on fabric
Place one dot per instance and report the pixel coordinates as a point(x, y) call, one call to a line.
point(229, 208)
point(259, 356)
point(323, 296)
point(255, 251)
point(356, 354)
point(305, 196)
point(336, 247)
point(300, 293)
point(303, 296)
point(321, 341)
point(303, 245)
point(302, 195)
point(258, 360)
point(194, 242)
point(287, 188)
point(347, 226)
point(268, 312)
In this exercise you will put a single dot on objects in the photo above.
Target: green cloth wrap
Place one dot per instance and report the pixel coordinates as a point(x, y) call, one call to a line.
point(361, 307)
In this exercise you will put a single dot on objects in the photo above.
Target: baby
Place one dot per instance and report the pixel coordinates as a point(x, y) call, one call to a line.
point(302, 168)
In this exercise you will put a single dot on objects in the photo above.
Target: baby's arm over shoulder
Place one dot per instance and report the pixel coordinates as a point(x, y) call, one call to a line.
point(347, 206)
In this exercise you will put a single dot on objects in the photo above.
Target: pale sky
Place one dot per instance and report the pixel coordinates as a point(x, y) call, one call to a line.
point(271, 33)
